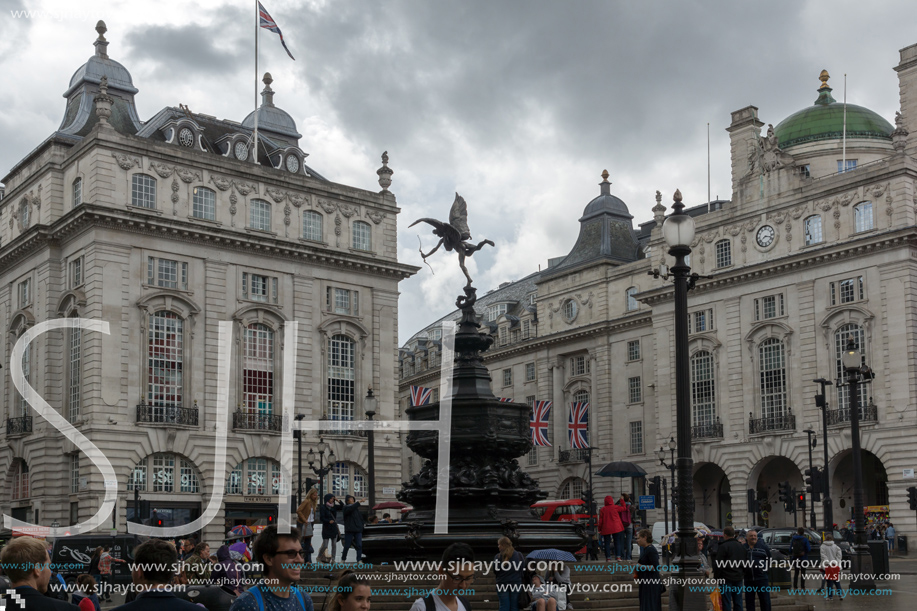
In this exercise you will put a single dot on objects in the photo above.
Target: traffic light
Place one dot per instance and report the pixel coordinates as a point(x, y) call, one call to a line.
point(785, 493)
point(819, 400)
point(752, 501)
point(912, 498)
point(801, 501)
point(270, 519)
point(656, 489)
point(813, 483)
point(159, 522)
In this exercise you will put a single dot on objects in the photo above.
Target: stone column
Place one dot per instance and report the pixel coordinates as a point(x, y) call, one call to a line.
point(907, 87)
point(743, 131)
point(557, 396)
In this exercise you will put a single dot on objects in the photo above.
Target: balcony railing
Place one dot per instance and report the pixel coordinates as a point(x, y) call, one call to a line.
point(256, 421)
point(868, 413)
point(574, 455)
point(711, 430)
point(782, 422)
point(342, 432)
point(154, 414)
point(19, 426)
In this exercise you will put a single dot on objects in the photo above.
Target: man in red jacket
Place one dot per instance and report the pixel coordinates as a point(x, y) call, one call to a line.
point(611, 527)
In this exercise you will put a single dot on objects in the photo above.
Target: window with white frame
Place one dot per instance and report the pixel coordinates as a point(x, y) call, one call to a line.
point(634, 389)
point(700, 321)
point(25, 214)
point(204, 204)
point(772, 385)
point(342, 301)
point(75, 272)
point(143, 191)
point(507, 377)
point(436, 333)
point(362, 236)
point(75, 373)
point(167, 273)
point(341, 376)
point(572, 488)
point(434, 395)
point(636, 437)
point(581, 396)
point(167, 473)
point(530, 372)
point(495, 311)
point(862, 217)
point(251, 477)
point(533, 456)
point(20, 480)
point(813, 230)
point(312, 226)
point(530, 400)
point(25, 293)
point(137, 479)
point(526, 329)
point(855, 331)
point(570, 310)
point(631, 299)
point(847, 290)
point(260, 215)
point(258, 370)
point(259, 287)
point(703, 391)
point(770, 306)
point(723, 253)
point(579, 365)
point(502, 335)
point(347, 478)
point(74, 473)
point(77, 192)
point(633, 350)
point(845, 165)
point(514, 336)
point(165, 363)
point(25, 379)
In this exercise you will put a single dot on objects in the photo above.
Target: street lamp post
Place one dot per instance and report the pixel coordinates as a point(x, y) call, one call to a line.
point(660, 454)
point(678, 231)
point(812, 442)
point(297, 434)
point(821, 402)
point(322, 469)
point(858, 373)
point(369, 406)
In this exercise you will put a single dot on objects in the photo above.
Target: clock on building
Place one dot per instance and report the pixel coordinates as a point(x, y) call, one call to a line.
point(765, 236)
point(292, 163)
point(241, 151)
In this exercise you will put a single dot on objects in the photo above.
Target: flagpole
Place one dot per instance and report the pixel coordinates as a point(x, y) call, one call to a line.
point(257, 27)
point(708, 167)
point(844, 145)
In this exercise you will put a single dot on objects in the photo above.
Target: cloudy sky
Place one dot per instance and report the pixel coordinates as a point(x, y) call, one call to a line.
point(517, 105)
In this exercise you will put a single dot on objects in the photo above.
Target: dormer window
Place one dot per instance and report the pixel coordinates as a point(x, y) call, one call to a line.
point(183, 132)
point(186, 137)
point(240, 150)
point(292, 164)
point(495, 311)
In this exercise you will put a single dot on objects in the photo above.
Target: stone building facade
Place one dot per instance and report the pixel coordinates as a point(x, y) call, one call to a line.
point(163, 229)
point(816, 245)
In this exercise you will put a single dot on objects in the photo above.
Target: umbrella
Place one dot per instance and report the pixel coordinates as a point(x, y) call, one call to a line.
point(551, 554)
point(389, 505)
point(621, 468)
point(701, 532)
point(241, 531)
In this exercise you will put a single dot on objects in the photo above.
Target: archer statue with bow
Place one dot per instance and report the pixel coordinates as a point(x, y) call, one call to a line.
point(454, 234)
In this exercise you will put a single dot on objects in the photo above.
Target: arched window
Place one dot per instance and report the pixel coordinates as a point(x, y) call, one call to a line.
point(255, 476)
point(75, 373)
point(260, 215)
point(772, 362)
point(572, 488)
point(258, 374)
point(167, 473)
point(631, 299)
point(862, 217)
point(19, 478)
point(77, 192)
point(25, 214)
point(703, 392)
point(581, 396)
point(570, 310)
point(143, 191)
point(840, 346)
point(165, 371)
point(813, 230)
point(347, 478)
point(26, 378)
point(723, 253)
point(203, 204)
point(341, 370)
point(312, 226)
point(362, 236)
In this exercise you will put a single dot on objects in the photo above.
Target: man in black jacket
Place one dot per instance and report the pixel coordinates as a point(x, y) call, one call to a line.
point(756, 579)
point(26, 562)
point(730, 558)
point(353, 528)
point(155, 562)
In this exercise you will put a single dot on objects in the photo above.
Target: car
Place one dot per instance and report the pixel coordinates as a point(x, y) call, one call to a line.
point(780, 539)
point(70, 556)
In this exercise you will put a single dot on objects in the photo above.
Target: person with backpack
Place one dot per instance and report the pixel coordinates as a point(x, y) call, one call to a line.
point(330, 531)
point(84, 594)
point(456, 571)
point(799, 551)
point(611, 528)
point(281, 557)
point(508, 574)
point(730, 555)
point(627, 519)
point(353, 528)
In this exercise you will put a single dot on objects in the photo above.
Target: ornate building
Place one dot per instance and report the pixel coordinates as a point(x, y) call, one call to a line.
point(816, 245)
point(163, 229)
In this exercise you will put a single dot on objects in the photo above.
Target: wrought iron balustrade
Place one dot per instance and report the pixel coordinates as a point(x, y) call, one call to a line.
point(341, 432)
point(156, 414)
point(710, 430)
point(19, 426)
point(574, 455)
point(780, 422)
point(256, 421)
point(868, 413)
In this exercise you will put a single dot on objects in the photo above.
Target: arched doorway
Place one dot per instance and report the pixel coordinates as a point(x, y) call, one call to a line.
point(770, 472)
point(712, 496)
point(875, 484)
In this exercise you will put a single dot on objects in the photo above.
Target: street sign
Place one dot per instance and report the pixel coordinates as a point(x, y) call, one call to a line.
point(647, 502)
point(55, 524)
point(908, 474)
point(390, 491)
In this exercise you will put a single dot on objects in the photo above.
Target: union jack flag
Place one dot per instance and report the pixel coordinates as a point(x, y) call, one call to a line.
point(538, 422)
point(505, 400)
point(578, 425)
point(421, 395)
point(268, 23)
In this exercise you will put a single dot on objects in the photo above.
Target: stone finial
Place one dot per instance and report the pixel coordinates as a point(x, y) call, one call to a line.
point(605, 175)
point(658, 209)
point(823, 77)
point(385, 174)
point(103, 102)
point(677, 196)
point(899, 136)
point(267, 94)
point(101, 44)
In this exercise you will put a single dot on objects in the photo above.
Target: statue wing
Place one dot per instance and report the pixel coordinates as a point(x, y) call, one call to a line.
point(458, 217)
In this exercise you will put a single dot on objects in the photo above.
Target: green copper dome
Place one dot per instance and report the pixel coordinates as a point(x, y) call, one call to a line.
point(825, 121)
